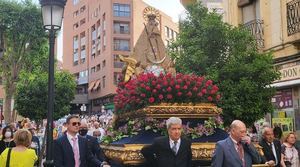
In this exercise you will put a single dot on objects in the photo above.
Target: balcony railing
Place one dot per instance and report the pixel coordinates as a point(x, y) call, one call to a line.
point(118, 64)
point(255, 27)
point(293, 17)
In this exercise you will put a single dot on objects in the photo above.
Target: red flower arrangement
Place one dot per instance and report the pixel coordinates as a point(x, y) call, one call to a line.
point(148, 89)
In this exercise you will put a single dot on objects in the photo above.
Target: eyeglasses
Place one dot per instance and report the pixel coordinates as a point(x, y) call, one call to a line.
point(76, 123)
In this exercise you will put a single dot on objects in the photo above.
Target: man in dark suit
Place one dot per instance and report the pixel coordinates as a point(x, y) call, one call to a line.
point(271, 148)
point(71, 150)
point(236, 150)
point(169, 151)
point(93, 145)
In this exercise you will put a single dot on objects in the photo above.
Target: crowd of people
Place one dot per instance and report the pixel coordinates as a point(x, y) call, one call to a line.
point(16, 143)
point(77, 141)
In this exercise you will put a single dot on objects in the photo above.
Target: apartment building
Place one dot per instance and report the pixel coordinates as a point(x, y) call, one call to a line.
point(95, 33)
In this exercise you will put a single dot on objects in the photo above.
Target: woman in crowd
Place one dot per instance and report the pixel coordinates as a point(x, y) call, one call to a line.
point(7, 139)
point(289, 152)
point(21, 155)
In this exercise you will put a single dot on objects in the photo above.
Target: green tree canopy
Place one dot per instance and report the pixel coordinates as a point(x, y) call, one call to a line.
point(228, 55)
point(24, 41)
point(31, 95)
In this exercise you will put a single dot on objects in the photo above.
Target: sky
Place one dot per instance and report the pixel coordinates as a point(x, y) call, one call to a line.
point(172, 8)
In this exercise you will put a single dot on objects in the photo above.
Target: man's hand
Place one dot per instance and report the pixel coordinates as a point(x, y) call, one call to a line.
point(270, 163)
point(106, 166)
point(246, 140)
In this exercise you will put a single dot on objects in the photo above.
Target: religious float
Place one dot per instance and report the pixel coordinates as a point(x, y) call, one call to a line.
point(150, 93)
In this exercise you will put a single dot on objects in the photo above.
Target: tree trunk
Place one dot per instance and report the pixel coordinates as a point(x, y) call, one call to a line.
point(7, 108)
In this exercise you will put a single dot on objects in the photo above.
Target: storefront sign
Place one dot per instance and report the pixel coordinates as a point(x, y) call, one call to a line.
point(283, 99)
point(289, 71)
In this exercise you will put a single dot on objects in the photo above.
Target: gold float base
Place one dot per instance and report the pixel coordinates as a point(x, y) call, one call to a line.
point(129, 154)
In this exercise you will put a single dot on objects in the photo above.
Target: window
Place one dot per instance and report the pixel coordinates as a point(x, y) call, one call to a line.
point(104, 41)
point(75, 58)
point(121, 28)
point(104, 22)
point(75, 2)
point(98, 67)
point(76, 13)
point(103, 81)
point(117, 76)
point(82, 56)
point(75, 26)
point(103, 63)
point(121, 10)
point(117, 62)
point(82, 21)
point(82, 9)
point(75, 42)
point(121, 44)
point(167, 31)
point(93, 69)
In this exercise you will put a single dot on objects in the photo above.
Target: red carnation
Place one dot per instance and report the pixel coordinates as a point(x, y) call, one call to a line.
point(160, 97)
point(151, 100)
point(165, 83)
point(208, 83)
point(169, 89)
point(169, 96)
point(179, 93)
point(200, 94)
point(158, 86)
point(143, 95)
point(148, 88)
point(185, 87)
point(209, 98)
point(189, 93)
point(177, 86)
point(153, 83)
point(203, 91)
point(218, 97)
point(154, 91)
point(195, 89)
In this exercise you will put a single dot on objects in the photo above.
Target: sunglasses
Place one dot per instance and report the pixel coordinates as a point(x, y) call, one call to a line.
point(76, 123)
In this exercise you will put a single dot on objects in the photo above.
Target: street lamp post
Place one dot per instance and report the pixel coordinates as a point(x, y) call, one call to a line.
point(52, 11)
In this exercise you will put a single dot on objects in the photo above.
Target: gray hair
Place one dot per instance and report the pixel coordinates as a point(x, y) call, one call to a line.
point(265, 129)
point(173, 120)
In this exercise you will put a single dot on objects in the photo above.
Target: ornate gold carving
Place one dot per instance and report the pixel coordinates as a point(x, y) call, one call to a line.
point(130, 153)
point(151, 11)
point(182, 110)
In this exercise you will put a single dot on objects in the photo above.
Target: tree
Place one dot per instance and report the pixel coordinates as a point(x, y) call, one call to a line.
point(32, 94)
point(23, 37)
point(229, 56)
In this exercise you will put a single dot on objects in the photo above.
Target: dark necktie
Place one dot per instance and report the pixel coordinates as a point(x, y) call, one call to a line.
point(241, 153)
point(174, 148)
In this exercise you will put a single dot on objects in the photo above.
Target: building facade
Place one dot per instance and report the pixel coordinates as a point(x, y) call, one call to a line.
point(275, 26)
point(95, 33)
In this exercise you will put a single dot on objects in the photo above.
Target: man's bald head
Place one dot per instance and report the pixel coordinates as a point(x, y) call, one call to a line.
point(237, 124)
point(238, 130)
point(83, 125)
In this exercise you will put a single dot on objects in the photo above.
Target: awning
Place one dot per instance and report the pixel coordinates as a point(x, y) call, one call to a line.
point(96, 85)
point(109, 106)
point(91, 85)
point(286, 83)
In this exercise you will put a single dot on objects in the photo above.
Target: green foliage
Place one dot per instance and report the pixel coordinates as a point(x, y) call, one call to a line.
point(25, 43)
point(229, 56)
point(31, 95)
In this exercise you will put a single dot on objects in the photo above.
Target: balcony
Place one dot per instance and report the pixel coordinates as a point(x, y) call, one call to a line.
point(118, 64)
point(82, 80)
point(255, 27)
point(293, 17)
point(80, 99)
